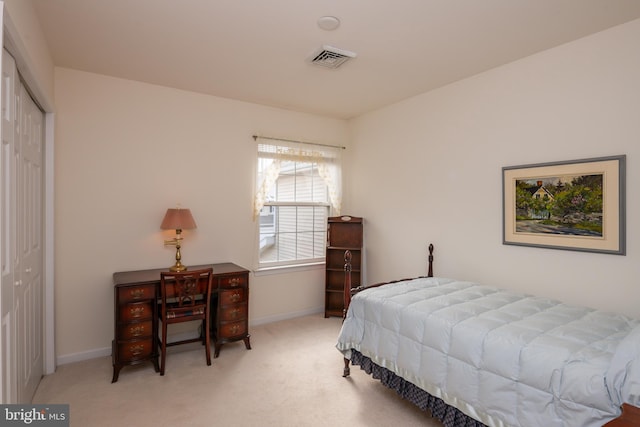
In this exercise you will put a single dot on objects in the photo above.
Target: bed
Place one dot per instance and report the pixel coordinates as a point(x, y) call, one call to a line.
point(477, 355)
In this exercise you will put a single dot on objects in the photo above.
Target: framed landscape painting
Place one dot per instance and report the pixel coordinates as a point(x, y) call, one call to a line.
point(574, 205)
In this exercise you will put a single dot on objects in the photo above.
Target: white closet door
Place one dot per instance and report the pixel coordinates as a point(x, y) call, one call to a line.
point(22, 239)
point(7, 231)
point(29, 293)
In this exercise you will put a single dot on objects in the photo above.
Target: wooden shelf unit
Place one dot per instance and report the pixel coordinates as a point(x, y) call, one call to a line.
point(343, 233)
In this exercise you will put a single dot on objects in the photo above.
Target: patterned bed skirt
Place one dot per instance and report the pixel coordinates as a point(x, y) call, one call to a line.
point(450, 416)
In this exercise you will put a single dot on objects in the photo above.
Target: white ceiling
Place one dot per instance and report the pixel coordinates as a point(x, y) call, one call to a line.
point(257, 50)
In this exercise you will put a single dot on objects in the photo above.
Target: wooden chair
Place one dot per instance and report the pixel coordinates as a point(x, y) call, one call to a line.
point(186, 297)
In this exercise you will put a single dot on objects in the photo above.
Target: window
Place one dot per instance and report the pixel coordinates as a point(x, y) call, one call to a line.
point(298, 187)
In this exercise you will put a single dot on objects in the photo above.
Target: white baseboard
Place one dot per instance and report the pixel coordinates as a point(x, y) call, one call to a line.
point(285, 316)
point(85, 355)
point(106, 351)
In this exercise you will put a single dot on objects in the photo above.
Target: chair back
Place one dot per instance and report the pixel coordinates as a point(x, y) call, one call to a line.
point(185, 293)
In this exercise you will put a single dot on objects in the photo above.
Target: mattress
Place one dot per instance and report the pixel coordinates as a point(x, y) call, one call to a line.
point(502, 358)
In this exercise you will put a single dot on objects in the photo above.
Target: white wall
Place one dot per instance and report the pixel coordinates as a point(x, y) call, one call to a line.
point(429, 170)
point(127, 151)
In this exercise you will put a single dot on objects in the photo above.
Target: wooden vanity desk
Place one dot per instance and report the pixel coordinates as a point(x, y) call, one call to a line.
point(136, 295)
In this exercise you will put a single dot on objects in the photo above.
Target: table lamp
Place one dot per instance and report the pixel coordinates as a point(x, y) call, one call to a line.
point(177, 219)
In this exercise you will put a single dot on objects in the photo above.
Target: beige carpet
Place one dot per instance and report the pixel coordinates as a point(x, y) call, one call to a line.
point(291, 377)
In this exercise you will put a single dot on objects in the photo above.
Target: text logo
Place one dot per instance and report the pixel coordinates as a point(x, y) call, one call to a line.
point(34, 415)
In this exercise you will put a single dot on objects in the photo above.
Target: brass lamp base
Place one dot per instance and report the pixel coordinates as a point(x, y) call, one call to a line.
point(177, 267)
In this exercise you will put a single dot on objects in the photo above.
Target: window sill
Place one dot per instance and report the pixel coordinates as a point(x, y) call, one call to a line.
point(283, 269)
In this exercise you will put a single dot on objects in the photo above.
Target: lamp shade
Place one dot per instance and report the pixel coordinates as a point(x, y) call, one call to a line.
point(178, 219)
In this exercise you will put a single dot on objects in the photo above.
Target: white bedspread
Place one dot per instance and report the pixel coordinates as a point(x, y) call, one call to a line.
point(503, 358)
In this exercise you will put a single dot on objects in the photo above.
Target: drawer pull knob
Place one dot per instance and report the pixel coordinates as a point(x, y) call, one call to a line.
point(234, 329)
point(234, 313)
point(136, 311)
point(235, 297)
point(137, 350)
point(136, 331)
point(137, 293)
point(234, 281)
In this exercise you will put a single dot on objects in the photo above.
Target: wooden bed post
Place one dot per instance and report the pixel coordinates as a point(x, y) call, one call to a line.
point(430, 270)
point(347, 282)
point(347, 300)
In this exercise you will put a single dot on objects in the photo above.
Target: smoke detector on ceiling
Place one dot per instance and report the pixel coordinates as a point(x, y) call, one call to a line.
point(328, 23)
point(331, 57)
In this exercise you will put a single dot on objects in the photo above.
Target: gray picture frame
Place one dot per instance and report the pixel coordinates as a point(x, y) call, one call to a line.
point(577, 205)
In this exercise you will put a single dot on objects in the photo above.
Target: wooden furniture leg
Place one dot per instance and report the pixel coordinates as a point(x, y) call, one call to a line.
point(347, 370)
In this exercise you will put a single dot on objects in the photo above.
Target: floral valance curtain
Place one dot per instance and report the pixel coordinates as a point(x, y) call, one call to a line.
point(327, 159)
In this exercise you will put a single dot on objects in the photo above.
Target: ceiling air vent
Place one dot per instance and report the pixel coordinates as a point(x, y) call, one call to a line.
point(331, 57)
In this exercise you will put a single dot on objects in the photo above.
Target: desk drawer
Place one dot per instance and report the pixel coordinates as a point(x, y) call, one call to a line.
point(136, 293)
point(234, 296)
point(136, 330)
point(233, 329)
point(234, 313)
point(136, 311)
point(134, 350)
point(234, 282)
